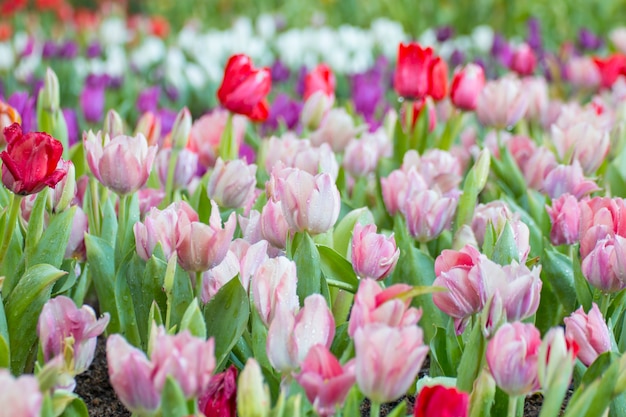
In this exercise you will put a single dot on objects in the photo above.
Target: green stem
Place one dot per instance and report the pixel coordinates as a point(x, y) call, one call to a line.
point(94, 213)
point(605, 301)
point(199, 287)
point(169, 183)
point(168, 284)
point(513, 406)
point(374, 409)
point(341, 285)
point(14, 209)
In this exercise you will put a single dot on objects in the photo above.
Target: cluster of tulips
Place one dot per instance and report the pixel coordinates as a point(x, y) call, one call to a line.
point(300, 268)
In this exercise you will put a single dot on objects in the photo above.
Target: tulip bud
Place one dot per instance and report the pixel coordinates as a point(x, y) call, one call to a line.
point(565, 218)
point(439, 400)
point(49, 95)
point(21, 396)
point(590, 333)
point(149, 125)
point(524, 60)
point(113, 125)
point(181, 129)
point(315, 108)
point(466, 86)
point(373, 255)
point(253, 396)
point(60, 197)
point(220, 398)
point(556, 360)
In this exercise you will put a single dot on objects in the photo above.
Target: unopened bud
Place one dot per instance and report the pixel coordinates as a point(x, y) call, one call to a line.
point(113, 124)
point(181, 129)
point(253, 397)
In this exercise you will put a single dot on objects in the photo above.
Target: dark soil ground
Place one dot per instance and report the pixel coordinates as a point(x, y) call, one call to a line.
point(94, 388)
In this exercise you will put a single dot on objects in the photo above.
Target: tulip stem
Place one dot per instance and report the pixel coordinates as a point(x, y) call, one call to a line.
point(94, 212)
point(605, 301)
point(199, 287)
point(169, 183)
point(513, 399)
point(374, 409)
point(14, 209)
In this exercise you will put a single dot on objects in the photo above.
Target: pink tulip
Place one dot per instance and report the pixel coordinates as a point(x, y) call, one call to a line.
point(520, 289)
point(291, 336)
point(397, 184)
point(372, 304)
point(568, 179)
point(565, 218)
point(373, 255)
point(440, 169)
point(132, 376)
point(590, 333)
point(361, 157)
point(428, 213)
point(317, 160)
point(218, 276)
point(466, 86)
point(502, 103)
point(604, 265)
point(250, 256)
point(21, 396)
point(187, 359)
point(325, 382)
point(466, 293)
point(538, 165)
point(274, 227)
point(122, 164)
point(538, 99)
point(557, 356)
point(336, 129)
point(206, 133)
point(512, 357)
point(582, 72)
point(274, 286)
point(524, 60)
point(600, 216)
point(76, 244)
point(159, 227)
point(232, 183)
point(316, 107)
point(582, 141)
point(496, 213)
point(310, 203)
point(201, 246)
point(62, 325)
point(149, 198)
point(64, 191)
point(387, 360)
point(185, 168)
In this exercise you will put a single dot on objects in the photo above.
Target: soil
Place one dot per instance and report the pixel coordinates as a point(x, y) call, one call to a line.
point(94, 388)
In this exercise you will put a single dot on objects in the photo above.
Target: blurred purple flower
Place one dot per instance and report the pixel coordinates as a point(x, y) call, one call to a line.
point(588, 40)
point(172, 92)
point(280, 72)
point(29, 48)
point(72, 125)
point(69, 50)
point(284, 109)
point(115, 82)
point(443, 33)
point(300, 81)
point(92, 98)
point(457, 58)
point(534, 34)
point(367, 92)
point(26, 107)
point(94, 50)
point(167, 117)
point(501, 50)
point(148, 99)
point(50, 50)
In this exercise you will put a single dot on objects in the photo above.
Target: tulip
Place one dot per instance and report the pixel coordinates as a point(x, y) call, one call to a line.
point(21, 396)
point(310, 203)
point(590, 333)
point(122, 164)
point(361, 157)
point(325, 382)
point(274, 227)
point(538, 165)
point(582, 141)
point(188, 359)
point(76, 244)
point(519, 287)
point(220, 398)
point(538, 99)
point(373, 255)
point(582, 72)
point(387, 360)
point(396, 186)
point(440, 169)
point(524, 60)
point(502, 103)
point(416, 107)
point(315, 108)
point(438, 79)
point(61, 195)
point(218, 276)
point(565, 218)
point(512, 356)
point(274, 286)
point(419, 73)
point(63, 328)
point(149, 125)
point(496, 213)
point(427, 214)
point(253, 396)
point(600, 216)
point(557, 355)
point(291, 336)
point(372, 304)
point(320, 79)
point(441, 401)
point(610, 68)
point(250, 256)
point(244, 88)
point(184, 171)
point(337, 129)
point(568, 179)
point(132, 376)
point(206, 133)
point(30, 161)
point(8, 116)
point(201, 246)
point(602, 266)
point(466, 87)
point(232, 183)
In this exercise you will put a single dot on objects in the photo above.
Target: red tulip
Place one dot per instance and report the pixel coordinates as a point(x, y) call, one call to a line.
point(220, 398)
point(30, 161)
point(412, 72)
point(610, 68)
point(244, 88)
point(438, 79)
point(320, 79)
point(439, 401)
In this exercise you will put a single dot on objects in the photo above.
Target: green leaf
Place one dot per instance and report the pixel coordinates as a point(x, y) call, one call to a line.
point(259, 338)
point(307, 259)
point(125, 305)
point(193, 320)
point(155, 315)
point(65, 284)
point(399, 410)
point(474, 183)
point(230, 302)
point(35, 224)
point(108, 230)
point(472, 359)
point(342, 232)
point(445, 350)
point(23, 307)
point(557, 269)
point(173, 402)
point(100, 257)
point(50, 248)
point(505, 250)
point(76, 408)
point(352, 405)
point(337, 269)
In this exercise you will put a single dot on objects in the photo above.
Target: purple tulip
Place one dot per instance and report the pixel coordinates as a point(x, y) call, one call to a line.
point(50, 50)
point(26, 107)
point(94, 50)
point(148, 99)
point(69, 50)
point(72, 125)
point(444, 33)
point(279, 71)
point(284, 110)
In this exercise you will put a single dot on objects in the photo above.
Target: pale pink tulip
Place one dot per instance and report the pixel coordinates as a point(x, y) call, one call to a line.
point(538, 99)
point(315, 108)
point(512, 356)
point(274, 227)
point(502, 103)
point(291, 336)
point(274, 286)
point(565, 218)
point(250, 256)
point(600, 216)
point(361, 157)
point(325, 382)
point(590, 333)
point(388, 360)
point(440, 169)
point(21, 396)
point(557, 356)
point(76, 244)
point(232, 183)
point(428, 213)
point(201, 246)
point(397, 184)
point(466, 86)
point(122, 164)
point(582, 72)
point(496, 213)
point(60, 197)
point(373, 255)
point(149, 198)
point(603, 266)
point(568, 179)
point(520, 289)
point(372, 304)
point(538, 165)
point(186, 165)
point(581, 141)
point(206, 133)
point(336, 129)
point(216, 277)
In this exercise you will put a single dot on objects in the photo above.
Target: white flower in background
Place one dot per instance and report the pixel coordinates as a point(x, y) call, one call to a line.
point(195, 75)
point(113, 31)
point(150, 52)
point(482, 37)
point(388, 34)
point(20, 40)
point(26, 66)
point(618, 38)
point(116, 63)
point(174, 65)
point(7, 56)
point(428, 38)
point(266, 26)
